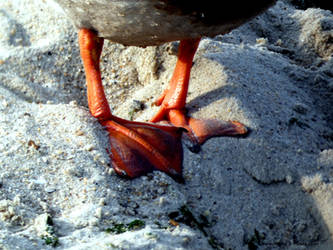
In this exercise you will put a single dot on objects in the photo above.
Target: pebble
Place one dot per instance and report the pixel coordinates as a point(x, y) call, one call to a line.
point(111, 171)
point(289, 179)
point(99, 212)
point(102, 202)
point(79, 133)
point(162, 201)
point(206, 213)
point(50, 189)
point(88, 147)
point(73, 103)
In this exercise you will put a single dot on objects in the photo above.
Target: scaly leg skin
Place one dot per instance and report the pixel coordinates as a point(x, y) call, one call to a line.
point(173, 101)
point(136, 147)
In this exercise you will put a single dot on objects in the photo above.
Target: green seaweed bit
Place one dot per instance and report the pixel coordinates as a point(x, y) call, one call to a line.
point(117, 229)
point(189, 218)
point(122, 228)
point(184, 215)
point(49, 240)
point(50, 230)
point(131, 115)
point(136, 224)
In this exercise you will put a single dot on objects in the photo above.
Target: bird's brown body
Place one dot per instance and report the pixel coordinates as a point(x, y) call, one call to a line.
point(152, 22)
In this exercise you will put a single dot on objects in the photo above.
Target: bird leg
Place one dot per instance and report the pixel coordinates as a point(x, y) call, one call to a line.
point(172, 102)
point(136, 147)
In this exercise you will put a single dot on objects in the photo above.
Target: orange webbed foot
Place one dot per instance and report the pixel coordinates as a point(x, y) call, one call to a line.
point(200, 130)
point(172, 104)
point(136, 148)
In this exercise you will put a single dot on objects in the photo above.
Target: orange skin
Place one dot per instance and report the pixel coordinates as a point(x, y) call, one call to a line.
point(173, 101)
point(136, 147)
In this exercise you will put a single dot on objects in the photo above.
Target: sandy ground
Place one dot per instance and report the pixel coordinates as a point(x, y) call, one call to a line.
point(270, 190)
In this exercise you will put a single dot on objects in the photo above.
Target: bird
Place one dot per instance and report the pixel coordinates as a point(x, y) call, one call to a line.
point(137, 148)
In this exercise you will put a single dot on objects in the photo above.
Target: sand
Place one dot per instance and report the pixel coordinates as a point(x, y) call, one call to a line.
point(270, 190)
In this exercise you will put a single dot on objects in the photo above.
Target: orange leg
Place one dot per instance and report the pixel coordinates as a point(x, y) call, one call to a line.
point(173, 101)
point(136, 147)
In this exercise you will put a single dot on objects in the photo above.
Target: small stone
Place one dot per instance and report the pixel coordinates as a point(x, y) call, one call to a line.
point(278, 42)
point(89, 147)
point(73, 103)
point(162, 201)
point(206, 213)
point(99, 212)
point(261, 41)
point(110, 171)
point(79, 133)
point(102, 202)
point(289, 179)
point(50, 189)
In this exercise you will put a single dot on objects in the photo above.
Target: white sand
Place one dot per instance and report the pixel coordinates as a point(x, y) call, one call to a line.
point(271, 190)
